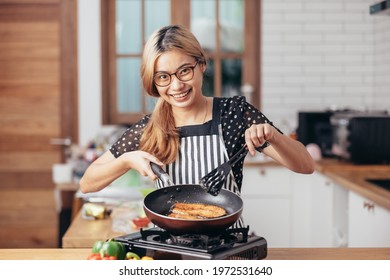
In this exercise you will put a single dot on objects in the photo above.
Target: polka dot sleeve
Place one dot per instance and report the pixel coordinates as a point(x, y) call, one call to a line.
point(129, 141)
point(237, 115)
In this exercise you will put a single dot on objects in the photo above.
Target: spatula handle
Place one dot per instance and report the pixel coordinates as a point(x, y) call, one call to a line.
point(239, 155)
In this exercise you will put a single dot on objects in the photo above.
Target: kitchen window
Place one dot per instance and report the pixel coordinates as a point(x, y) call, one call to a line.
point(228, 30)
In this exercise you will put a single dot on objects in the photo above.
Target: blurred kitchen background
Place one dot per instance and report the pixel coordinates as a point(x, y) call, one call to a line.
point(311, 55)
point(69, 86)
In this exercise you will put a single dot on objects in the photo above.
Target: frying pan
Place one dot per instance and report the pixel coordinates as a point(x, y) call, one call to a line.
point(158, 203)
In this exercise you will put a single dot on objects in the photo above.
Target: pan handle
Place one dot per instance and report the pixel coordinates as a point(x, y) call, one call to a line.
point(161, 174)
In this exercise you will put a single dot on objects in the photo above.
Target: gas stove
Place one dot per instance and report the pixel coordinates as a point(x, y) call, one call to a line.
point(231, 244)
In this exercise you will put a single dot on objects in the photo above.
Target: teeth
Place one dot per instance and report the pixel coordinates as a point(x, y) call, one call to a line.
point(181, 95)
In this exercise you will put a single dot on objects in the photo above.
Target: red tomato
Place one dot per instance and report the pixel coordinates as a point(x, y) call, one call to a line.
point(141, 222)
point(109, 258)
point(94, 256)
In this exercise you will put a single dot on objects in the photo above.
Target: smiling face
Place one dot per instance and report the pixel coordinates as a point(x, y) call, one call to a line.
point(180, 94)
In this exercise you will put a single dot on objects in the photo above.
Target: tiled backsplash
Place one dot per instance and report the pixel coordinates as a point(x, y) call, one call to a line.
point(319, 54)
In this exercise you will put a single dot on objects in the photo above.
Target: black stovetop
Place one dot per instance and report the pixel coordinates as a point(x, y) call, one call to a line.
point(231, 244)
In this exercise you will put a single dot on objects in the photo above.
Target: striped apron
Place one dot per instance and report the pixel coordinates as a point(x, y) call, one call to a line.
point(201, 150)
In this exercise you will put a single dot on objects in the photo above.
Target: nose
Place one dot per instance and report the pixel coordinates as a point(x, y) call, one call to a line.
point(176, 83)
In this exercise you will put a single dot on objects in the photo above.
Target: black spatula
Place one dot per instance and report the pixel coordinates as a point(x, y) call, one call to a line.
point(213, 181)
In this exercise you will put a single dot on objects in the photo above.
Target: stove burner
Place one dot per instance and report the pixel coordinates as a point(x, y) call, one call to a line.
point(232, 243)
point(199, 241)
point(203, 241)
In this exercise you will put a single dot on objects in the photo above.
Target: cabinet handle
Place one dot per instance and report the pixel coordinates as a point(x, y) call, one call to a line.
point(262, 171)
point(368, 205)
point(61, 141)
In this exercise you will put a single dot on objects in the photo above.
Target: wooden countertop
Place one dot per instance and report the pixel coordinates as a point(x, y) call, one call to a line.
point(353, 177)
point(273, 254)
point(83, 233)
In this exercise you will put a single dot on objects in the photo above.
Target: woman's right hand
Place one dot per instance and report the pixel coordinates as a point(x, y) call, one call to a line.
point(105, 169)
point(140, 161)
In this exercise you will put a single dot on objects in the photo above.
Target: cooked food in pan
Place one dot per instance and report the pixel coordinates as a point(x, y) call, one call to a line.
point(196, 211)
point(184, 216)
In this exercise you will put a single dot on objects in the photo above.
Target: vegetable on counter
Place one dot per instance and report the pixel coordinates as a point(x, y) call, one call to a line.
point(97, 256)
point(109, 250)
point(140, 222)
point(132, 256)
point(97, 246)
point(95, 211)
point(113, 250)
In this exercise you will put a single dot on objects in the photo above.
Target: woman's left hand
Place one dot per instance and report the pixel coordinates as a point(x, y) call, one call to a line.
point(285, 150)
point(257, 135)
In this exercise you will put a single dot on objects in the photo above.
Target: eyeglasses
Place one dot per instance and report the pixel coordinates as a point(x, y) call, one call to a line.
point(184, 74)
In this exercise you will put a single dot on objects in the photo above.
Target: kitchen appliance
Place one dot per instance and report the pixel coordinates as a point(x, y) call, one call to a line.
point(382, 183)
point(314, 128)
point(229, 244)
point(381, 8)
point(361, 137)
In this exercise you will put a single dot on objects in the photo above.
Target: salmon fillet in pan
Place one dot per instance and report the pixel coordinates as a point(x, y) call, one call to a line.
point(196, 211)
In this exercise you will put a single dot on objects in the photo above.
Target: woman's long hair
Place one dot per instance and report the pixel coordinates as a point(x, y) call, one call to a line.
point(160, 137)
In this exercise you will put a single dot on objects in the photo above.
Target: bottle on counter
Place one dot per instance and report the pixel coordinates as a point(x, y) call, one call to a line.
point(79, 167)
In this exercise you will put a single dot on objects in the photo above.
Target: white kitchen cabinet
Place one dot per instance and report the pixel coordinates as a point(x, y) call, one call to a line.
point(369, 224)
point(328, 204)
point(300, 203)
point(295, 210)
point(266, 192)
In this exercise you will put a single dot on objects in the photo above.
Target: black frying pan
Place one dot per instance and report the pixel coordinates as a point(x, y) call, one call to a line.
point(158, 203)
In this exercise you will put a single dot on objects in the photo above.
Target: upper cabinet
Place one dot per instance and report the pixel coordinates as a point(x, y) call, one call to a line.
point(228, 30)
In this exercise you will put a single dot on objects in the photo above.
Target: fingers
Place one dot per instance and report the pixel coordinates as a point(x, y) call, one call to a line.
point(268, 132)
point(256, 136)
point(150, 173)
point(249, 142)
point(147, 169)
point(140, 161)
point(153, 159)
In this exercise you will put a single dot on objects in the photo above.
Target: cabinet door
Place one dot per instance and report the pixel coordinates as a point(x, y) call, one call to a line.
point(321, 211)
point(328, 213)
point(270, 218)
point(369, 224)
point(300, 207)
point(266, 181)
point(266, 194)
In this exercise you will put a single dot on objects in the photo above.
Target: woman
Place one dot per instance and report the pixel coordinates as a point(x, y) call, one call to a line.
point(189, 134)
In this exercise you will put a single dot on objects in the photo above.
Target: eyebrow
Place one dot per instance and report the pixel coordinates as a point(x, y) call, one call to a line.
point(181, 66)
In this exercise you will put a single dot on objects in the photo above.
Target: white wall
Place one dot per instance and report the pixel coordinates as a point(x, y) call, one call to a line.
point(89, 71)
point(381, 61)
point(315, 54)
point(323, 53)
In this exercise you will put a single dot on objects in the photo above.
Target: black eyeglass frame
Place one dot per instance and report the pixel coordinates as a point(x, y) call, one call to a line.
point(175, 73)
